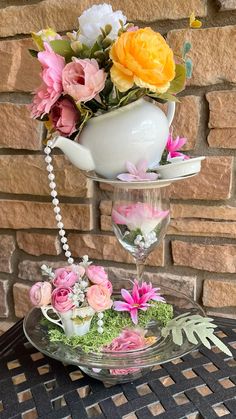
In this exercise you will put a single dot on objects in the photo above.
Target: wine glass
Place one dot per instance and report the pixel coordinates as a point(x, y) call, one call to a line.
point(140, 218)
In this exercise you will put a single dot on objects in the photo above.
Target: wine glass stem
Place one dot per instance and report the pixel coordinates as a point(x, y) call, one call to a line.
point(140, 269)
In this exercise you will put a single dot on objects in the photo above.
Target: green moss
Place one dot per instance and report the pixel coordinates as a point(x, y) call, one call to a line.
point(114, 323)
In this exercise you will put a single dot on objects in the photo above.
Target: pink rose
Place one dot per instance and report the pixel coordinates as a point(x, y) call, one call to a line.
point(61, 300)
point(107, 284)
point(51, 89)
point(125, 371)
point(128, 340)
point(82, 79)
point(99, 298)
point(96, 274)
point(65, 277)
point(64, 116)
point(40, 294)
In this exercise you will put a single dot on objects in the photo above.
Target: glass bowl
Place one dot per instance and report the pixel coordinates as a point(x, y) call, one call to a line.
point(116, 367)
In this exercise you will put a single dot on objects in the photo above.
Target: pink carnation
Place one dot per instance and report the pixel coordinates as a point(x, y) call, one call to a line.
point(82, 79)
point(51, 89)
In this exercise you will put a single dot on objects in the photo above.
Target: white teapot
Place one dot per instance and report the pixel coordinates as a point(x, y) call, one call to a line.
point(136, 131)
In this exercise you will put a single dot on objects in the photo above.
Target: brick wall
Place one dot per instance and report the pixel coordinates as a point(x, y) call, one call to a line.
point(199, 252)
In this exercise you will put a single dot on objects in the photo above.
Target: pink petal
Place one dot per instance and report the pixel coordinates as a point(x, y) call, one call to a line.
point(180, 142)
point(144, 307)
point(126, 177)
point(121, 306)
point(127, 297)
point(131, 168)
point(118, 218)
point(134, 315)
point(142, 166)
point(135, 295)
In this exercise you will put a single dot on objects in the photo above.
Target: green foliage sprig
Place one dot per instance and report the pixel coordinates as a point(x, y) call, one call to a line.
point(196, 329)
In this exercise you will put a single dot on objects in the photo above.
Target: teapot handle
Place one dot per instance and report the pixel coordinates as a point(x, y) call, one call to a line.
point(170, 112)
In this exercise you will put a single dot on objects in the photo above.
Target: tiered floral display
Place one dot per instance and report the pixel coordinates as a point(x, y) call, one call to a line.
point(106, 65)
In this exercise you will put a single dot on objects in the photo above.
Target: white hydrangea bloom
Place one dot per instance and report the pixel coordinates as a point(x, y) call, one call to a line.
point(98, 16)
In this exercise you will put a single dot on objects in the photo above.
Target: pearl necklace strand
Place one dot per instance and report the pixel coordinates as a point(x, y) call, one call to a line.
point(55, 202)
point(60, 225)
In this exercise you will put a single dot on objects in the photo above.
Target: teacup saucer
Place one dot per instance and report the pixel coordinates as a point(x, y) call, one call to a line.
point(159, 183)
point(178, 169)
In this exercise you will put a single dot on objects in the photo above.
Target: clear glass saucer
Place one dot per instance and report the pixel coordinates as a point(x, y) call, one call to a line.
point(116, 367)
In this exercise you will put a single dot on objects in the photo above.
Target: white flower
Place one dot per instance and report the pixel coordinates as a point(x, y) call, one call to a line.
point(85, 262)
point(47, 271)
point(98, 16)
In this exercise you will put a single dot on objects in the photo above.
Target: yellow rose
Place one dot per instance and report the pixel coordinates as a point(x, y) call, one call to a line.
point(143, 58)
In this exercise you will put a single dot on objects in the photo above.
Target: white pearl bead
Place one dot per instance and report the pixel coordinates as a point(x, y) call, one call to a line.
point(58, 217)
point(65, 247)
point(100, 315)
point(51, 176)
point(67, 254)
point(62, 232)
point(63, 239)
point(52, 185)
point(54, 193)
point(47, 150)
point(60, 225)
point(49, 168)
point(56, 210)
point(100, 330)
point(49, 143)
point(55, 201)
point(48, 159)
point(70, 261)
point(100, 323)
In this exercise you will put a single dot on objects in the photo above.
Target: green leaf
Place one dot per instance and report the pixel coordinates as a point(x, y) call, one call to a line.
point(196, 329)
point(178, 84)
point(62, 47)
point(33, 52)
point(189, 67)
point(163, 97)
point(186, 48)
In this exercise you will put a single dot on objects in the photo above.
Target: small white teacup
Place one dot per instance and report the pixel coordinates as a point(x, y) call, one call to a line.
point(75, 322)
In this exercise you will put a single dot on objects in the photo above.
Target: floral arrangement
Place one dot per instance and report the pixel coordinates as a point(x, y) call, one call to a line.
point(80, 290)
point(81, 297)
point(82, 293)
point(106, 64)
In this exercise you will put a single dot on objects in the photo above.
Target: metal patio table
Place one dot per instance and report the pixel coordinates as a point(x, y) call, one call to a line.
point(201, 384)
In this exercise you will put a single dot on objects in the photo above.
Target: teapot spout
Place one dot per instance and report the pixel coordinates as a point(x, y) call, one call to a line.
point(78, 155)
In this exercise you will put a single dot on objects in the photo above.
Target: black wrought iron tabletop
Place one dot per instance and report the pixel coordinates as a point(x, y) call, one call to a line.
point(201, 384)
